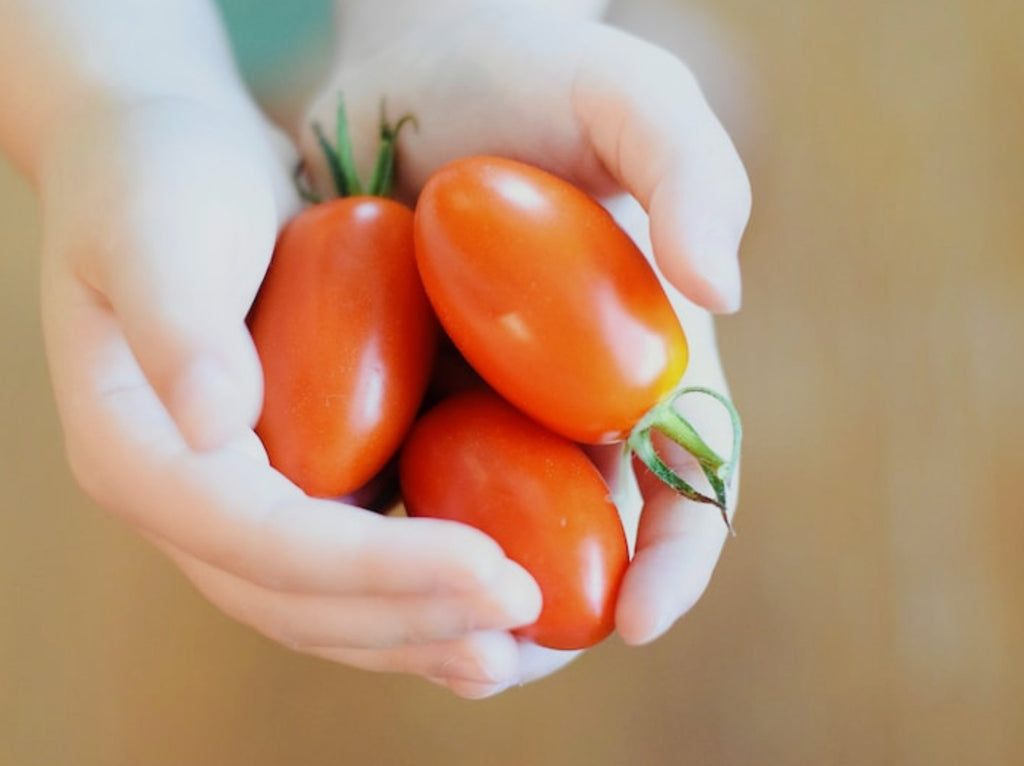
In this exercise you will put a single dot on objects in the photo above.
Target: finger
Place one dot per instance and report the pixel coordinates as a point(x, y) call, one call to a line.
point(536, 662)
point(227, 507)
point(594, 104)
point(250, 523)
point(478, 665)
point(678, 541)
point(177, 236)
point(356, 621)
point(648, 122)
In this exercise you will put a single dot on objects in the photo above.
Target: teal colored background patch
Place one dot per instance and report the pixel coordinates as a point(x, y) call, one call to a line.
point(270, 36)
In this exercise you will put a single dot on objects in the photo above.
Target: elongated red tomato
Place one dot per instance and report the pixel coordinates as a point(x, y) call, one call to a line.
point(346, 338)
point(547, 297)
point(477, 460)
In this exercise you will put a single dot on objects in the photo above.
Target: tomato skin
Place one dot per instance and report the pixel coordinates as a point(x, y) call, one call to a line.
point(547, 298)
point(475, 459)
point(346, 337)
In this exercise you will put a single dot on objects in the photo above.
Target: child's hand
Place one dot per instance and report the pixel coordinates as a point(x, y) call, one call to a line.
point(159, 221)
point(590, 103)
point(612, 114)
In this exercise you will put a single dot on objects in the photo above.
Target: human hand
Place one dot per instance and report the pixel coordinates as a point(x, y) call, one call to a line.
point(159, 219)
point(612, 114)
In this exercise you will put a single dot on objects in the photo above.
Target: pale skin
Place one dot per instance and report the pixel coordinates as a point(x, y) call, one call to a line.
point(162, 188)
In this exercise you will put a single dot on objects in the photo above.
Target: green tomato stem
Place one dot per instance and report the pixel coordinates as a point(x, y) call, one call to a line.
point(382, 181)
point(343, 146)
point(341, 159)
point(665, 419)
point(333, 162)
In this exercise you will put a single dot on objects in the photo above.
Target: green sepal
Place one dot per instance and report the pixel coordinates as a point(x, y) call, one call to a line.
point(343, 146)
point(665, 419)
point(341, 158)
point(333, 161)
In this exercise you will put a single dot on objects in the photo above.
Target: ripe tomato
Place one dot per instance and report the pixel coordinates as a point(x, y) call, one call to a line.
point(477, 460)
point(346, 337)
point(343, 329)
point(547, 298)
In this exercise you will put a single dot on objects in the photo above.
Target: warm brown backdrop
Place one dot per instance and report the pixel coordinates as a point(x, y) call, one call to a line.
point(870, 610)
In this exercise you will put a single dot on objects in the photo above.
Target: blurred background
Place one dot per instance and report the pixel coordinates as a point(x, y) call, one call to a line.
point(871, 608)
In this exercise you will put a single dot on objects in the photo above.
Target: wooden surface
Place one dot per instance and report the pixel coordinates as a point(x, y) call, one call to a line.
point(870, 610)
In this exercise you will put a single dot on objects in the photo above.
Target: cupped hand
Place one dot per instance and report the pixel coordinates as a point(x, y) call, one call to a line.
point(625, 121)
point(159, 220)
point(588, 102)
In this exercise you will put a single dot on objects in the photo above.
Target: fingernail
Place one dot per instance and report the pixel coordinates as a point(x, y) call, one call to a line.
point(205, 405)
point(475, 691)
point(469, 689)
point(660, 628)
point(722, 272)
point(468, 668)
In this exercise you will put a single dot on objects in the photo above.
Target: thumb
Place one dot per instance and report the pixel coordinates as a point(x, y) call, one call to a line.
point(196, 355)
point(184, 227)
